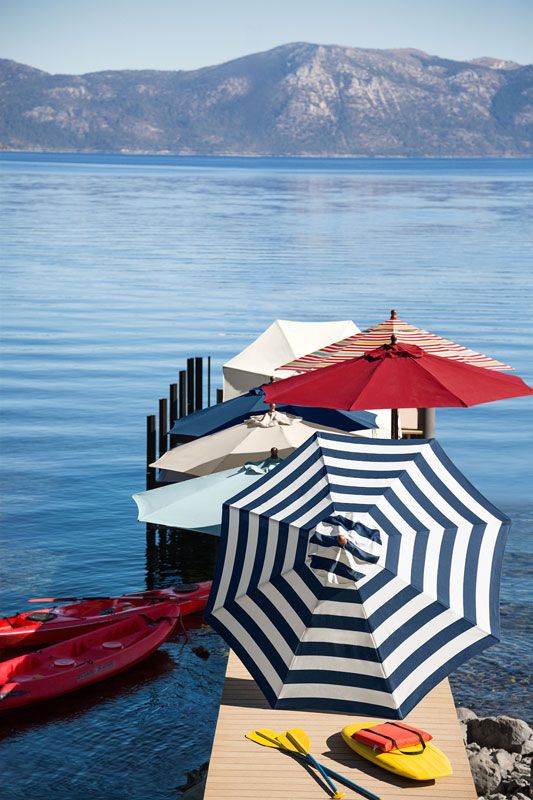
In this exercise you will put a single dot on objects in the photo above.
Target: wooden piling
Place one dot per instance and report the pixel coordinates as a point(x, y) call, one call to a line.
point(209, 381)
point(198, 383)
point(172, 404)
point(190, 385)
point(151, 556)
point(220, 395)
point(163, 414)
point(172, 412)
point(150, 450)
point(182, 405)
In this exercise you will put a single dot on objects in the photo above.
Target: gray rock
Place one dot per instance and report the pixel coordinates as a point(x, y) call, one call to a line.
point(485, 773)
point(526, 748)
point(518, 784)
point(522, 768)
point(499, 732)
point(464, 714)
point(473, 747)
point(498, 796)
point(196, 792)
point(504, 760)
point(194, 788)
point(520, 796)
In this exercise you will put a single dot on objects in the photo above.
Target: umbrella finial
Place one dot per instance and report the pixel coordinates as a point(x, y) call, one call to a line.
point(274, 452)
point(393, 313)
point(393, 339)
point(342, 540)
point(272, 408)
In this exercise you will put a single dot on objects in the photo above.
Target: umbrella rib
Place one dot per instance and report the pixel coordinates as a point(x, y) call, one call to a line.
point(437, 380)
point(369, 382)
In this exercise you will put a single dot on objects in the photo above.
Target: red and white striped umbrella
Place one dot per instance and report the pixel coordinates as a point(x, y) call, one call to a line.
point(359, 343)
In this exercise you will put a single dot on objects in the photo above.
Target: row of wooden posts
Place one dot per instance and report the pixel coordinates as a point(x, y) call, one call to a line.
point(190, 393)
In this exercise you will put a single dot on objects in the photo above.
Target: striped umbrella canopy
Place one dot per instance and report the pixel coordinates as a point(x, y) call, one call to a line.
point(357, 344)
point(357, 575)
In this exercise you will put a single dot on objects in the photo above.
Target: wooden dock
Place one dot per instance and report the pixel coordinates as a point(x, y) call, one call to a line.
point(240, 768)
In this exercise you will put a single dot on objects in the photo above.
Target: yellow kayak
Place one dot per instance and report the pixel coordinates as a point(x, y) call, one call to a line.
point(427, 766)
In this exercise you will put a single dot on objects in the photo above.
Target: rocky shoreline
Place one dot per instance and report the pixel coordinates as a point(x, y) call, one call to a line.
point(499, 750)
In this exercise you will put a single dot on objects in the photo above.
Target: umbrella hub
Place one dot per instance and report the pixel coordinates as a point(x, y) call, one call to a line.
point(394, 350)
point(272, 419)
point(342, 550)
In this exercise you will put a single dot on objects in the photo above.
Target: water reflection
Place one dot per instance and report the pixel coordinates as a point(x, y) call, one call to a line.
point(175, 556)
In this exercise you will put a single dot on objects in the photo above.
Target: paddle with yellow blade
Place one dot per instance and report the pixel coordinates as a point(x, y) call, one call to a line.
point(297, 740)
point(269, 738)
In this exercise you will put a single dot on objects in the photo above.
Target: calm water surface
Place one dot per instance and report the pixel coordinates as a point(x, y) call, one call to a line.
point(114, 269)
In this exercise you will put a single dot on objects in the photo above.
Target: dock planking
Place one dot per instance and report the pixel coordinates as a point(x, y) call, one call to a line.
point(241, 768)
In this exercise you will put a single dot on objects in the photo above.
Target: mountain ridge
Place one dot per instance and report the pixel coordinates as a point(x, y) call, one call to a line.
point(295, 99)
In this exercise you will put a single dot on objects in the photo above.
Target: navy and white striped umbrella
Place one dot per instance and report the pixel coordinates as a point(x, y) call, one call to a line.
point(358, 575)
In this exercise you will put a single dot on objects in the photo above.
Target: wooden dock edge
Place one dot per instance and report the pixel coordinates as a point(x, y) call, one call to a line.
point(240, 768)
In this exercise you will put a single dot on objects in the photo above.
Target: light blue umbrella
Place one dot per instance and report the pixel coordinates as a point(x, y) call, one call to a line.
point(197, 504)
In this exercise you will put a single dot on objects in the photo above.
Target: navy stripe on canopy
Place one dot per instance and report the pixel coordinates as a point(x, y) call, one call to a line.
point(421, 600)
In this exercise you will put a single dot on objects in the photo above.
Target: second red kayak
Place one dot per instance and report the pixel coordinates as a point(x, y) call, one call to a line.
point(46, 626)
point(78, 662)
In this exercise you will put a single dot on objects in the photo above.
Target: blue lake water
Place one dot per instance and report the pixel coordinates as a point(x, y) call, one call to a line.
point(114, 270)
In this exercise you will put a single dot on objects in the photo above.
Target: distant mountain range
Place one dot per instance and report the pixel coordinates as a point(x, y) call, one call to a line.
point(298, 99)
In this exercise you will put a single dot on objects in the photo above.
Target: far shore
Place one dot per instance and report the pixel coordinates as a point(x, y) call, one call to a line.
point(295, 156)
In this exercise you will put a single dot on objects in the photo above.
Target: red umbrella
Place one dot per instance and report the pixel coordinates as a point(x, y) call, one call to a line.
point(396, 376)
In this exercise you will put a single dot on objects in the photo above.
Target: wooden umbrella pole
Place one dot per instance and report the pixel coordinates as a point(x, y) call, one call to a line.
point(395, 433)
point(428, 422)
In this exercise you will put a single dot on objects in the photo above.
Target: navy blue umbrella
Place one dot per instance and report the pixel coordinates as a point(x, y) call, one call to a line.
point(224, 415)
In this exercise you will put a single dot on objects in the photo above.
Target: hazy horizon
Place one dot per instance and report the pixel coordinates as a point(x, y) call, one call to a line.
point(62, 37)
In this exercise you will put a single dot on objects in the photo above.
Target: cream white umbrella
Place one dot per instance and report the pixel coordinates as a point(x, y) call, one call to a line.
point(282, 341)
point(250, 440)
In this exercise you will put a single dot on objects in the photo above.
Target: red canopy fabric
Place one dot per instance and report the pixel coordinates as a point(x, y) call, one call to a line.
point(396, 376)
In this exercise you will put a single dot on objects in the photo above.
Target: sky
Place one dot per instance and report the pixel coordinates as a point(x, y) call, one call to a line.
point(77, 36)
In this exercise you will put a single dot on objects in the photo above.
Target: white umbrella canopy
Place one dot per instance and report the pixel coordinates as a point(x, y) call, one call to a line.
point(282, 341)
point(250, 440)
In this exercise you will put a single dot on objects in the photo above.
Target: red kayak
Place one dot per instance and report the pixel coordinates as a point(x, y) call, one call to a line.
point(54, 624)
point(86, 659)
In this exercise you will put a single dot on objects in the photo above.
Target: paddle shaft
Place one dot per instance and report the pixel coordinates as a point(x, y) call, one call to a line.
point(322, 771)
point(323, 768)
point(350, 784)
